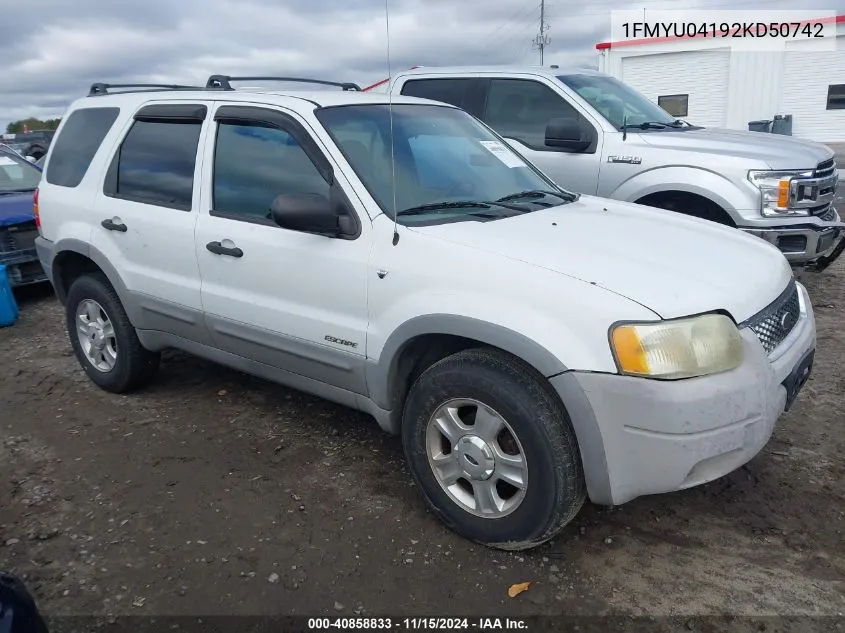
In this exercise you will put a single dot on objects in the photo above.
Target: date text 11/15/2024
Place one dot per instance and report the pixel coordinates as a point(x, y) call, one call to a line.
point(417, 624)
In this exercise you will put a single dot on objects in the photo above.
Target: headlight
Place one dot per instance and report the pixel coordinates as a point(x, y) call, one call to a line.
point(679, 348)
point(777, 190)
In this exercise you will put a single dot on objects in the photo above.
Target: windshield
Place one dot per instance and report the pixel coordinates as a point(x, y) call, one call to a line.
point(615, 100)
point(448, 166)
point(16, 173)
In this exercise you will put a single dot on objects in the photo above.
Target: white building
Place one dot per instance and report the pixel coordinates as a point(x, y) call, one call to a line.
point(707, 83)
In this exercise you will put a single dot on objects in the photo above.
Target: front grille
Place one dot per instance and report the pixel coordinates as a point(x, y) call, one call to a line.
point(774, 323)
point(825, 168)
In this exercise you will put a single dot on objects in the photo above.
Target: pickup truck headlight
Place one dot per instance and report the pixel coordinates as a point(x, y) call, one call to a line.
point(677, 348)
point(778, 190)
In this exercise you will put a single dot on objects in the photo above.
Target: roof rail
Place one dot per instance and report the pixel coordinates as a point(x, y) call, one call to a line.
point(223, 82)
point(103, 89)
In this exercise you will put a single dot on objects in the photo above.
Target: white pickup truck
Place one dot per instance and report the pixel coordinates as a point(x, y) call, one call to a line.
point(531, 346)
point(594, 134)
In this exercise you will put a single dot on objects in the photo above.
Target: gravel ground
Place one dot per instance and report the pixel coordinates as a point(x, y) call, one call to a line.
point(215, 493)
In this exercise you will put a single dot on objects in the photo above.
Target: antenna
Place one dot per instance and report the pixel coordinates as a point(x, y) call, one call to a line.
point(390, 114)
point(541, 41)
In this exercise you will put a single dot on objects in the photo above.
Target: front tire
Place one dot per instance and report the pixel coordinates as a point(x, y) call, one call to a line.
point(103, 339)
point(493, 450)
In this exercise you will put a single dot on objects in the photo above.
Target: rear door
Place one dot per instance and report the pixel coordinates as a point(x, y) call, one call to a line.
point(146, 212)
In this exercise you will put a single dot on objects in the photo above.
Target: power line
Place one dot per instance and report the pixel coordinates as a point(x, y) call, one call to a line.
point(519, 14)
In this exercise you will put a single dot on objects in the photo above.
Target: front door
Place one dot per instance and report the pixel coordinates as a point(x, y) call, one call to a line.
point(520, 109)
point(291, 300)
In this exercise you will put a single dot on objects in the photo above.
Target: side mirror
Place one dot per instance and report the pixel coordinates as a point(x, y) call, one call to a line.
point(311, 213)
point(567, 133)
point(31, 159)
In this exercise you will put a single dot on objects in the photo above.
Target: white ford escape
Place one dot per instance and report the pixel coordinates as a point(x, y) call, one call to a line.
point(531, 346)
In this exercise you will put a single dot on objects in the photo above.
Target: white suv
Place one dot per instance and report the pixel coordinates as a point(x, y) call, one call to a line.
point(531, 346)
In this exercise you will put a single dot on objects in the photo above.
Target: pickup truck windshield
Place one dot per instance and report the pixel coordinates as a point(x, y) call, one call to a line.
point(17, 174)
point(448, 166)
point(615, 101)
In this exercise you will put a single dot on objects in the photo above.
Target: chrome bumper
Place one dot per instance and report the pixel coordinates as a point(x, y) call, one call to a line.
point(810, 244)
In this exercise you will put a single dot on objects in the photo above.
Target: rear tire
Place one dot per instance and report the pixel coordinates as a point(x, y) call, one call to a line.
point(103, 339)
point(505, 431)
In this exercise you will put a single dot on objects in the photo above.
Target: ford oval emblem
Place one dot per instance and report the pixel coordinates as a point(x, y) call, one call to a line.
point(787, 321)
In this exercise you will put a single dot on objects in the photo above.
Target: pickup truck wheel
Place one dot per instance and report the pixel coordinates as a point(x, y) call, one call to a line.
point(493, 450)
point(103, 339)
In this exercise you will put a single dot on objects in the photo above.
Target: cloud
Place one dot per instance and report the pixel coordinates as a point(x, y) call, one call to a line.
point(53, 50)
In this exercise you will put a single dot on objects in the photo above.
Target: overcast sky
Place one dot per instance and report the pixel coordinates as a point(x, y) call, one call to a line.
point(52, 50)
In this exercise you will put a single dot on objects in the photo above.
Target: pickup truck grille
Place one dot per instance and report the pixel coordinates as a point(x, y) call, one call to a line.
point(825, 168)
point(774, 322)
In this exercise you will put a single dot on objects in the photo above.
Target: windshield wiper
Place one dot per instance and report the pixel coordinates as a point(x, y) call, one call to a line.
point(537, 193)
point(433, 206)
point(647, 125)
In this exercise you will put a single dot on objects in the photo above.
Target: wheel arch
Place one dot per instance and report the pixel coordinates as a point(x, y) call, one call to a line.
point(74, 258)
point(705, 183)
point(702, 206)
point(421, 341)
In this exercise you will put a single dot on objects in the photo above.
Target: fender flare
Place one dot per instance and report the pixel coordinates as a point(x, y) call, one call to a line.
point(79, 247)
point(694, 180)
point(381, 374)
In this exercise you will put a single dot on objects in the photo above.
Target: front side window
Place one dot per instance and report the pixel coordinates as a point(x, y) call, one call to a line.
point(617, 102)
point(253, 164)
point(17, 175)
point(521, 109)
point(448, 166)
point(156, 163)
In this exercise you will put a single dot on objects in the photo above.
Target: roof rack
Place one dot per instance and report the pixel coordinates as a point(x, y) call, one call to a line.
point(103, 89)
point(223, 82)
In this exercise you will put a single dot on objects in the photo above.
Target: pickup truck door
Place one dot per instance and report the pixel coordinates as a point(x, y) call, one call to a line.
point(290, 300)
point(520, 109)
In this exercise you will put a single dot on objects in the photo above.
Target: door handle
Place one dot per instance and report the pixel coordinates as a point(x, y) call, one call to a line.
point(218, 249)
point(111, 225)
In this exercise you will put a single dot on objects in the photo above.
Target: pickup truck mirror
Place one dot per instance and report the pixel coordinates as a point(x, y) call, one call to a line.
point(567, 133)
point(311, 213)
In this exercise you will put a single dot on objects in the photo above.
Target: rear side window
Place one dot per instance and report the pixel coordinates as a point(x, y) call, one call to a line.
point(74, 149)
point(452, 91)
point(155, 164)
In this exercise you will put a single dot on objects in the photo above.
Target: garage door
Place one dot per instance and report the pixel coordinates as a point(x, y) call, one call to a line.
point(702, 75)
point(806, 78)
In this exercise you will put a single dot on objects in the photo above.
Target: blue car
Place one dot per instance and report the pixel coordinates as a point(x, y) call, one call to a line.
point(18, 181)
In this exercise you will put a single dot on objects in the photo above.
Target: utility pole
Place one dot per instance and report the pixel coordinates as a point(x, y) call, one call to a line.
point(542, 40)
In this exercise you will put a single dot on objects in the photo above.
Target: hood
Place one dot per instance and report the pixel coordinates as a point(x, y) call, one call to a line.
point(775, 150)
point(672, 264)
point(16, 208)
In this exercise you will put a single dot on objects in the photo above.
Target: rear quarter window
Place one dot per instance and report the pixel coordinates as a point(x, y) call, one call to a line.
point(77, 144)
point(452, 91)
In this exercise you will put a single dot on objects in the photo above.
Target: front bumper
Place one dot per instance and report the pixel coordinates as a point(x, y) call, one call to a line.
point(815, 244)
point(639, 436)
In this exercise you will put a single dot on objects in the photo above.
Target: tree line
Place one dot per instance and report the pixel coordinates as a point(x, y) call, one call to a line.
point(17, 127)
